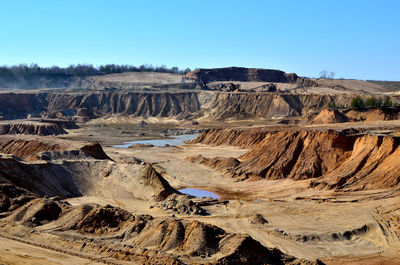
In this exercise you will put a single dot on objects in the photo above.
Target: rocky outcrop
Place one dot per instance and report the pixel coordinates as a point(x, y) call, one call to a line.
point(332, 159)
point(246, 75)
point(27, 127)
point(40, 127)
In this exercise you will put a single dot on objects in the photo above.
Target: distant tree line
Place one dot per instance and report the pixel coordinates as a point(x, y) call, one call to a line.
point(35, 76)
point(357, 103)
point(84, 70)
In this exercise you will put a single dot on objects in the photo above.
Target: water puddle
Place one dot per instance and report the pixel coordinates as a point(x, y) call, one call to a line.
point(176, 140)
point(199, 193)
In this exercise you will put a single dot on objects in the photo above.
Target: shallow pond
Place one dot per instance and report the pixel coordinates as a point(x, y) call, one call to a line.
point(175, 140)
point(199, 193)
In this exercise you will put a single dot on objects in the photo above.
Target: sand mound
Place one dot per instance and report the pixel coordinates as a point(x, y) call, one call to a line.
point(104, 220)
point(338, 160)
point(141, 237)
point(96, 151)
point(12, 197)
point(329, 116)
point(36, 212)
point(219, 163)
point(258, 219)
point(160, 186)
point(373, 114)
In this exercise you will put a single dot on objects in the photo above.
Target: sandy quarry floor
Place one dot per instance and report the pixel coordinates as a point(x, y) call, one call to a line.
point(18, 253)
point(289, 206)
point(301, 221)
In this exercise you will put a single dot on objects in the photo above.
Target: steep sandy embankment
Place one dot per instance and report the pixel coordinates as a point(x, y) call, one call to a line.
point(264, 105)
point(368, 115)
point(213, 105)
point(27, 127)
point(137, 104)
point(25, 147)
point(72, 170)
point(19, 105)
point(333, 160)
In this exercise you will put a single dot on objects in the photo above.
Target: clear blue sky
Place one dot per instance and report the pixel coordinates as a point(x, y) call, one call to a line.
point(354, 38)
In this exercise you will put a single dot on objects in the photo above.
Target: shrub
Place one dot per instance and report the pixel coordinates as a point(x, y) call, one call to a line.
point(357, 103)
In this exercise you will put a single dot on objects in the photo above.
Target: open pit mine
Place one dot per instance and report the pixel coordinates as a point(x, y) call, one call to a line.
point(217, 166)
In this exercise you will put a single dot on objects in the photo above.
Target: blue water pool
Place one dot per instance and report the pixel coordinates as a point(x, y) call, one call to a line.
point(199, 193)
point(176, 140)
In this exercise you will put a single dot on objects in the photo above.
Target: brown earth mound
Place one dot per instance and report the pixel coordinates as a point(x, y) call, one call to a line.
point(329, 116)
point(12, 197)
point(95, 150)
point(219, 163)
point(369, 115)
point(339, 161)
point(236, 137)
point(152, 178)
point(372, 165)
point(36, 212)
point(373, 114)
point(104, 220)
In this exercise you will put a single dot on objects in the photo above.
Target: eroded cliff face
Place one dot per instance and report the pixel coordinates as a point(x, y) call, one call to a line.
point(264, 105)
point(247, 75)
point(131, 103)
point(212, 105)
point(333, 160)
point(19, 105)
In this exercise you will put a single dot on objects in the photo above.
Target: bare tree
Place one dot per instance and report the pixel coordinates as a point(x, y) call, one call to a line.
point(332, 75)
point(323, 74)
